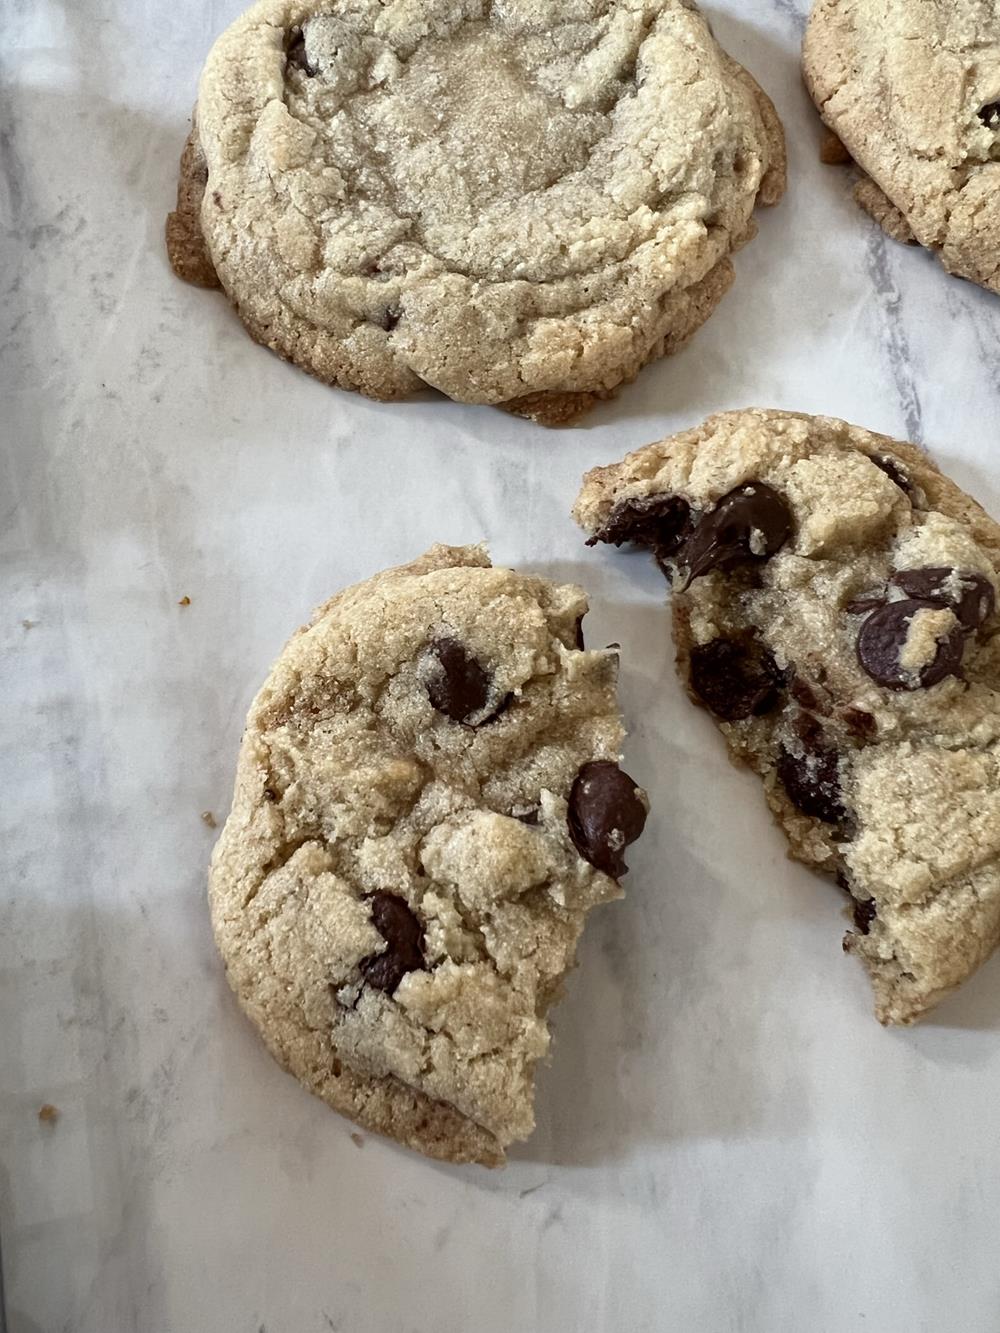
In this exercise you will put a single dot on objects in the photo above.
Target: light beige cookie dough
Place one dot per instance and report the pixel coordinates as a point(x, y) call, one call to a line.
point(428, 803)
point(835, 609)
point(912, 89)
point(509, 203)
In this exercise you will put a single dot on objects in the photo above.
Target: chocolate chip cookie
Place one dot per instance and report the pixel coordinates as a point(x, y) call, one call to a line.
point(428, 804)
point(513, 204)
point(912, 89)
point(835, 610)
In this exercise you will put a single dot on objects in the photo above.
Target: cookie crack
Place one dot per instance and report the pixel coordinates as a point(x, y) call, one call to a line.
point(658, 201)
point(280, 858)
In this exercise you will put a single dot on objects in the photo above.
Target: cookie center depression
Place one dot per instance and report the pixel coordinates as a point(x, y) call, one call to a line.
point(465, 129)
point(501, 149)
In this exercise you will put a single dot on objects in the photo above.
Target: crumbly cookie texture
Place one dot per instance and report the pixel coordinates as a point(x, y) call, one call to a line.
point(835, 609)
point(912, 88)
point(428, 804)
point(507, 206)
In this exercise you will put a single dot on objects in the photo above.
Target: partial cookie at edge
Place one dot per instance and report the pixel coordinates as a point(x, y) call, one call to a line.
point(933, 160)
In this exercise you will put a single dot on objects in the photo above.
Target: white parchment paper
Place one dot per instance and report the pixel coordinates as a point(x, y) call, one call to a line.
point(726, 1139)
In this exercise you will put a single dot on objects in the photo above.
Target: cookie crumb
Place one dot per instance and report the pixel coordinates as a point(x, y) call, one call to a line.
point(48, 1114)
point(358, 1140)
point(29, 624)
point(184, 601)
point(209, 819)
point(832, 152)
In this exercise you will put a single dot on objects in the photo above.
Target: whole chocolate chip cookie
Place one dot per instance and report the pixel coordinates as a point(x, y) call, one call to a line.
point(912, 89)
point(428, 803)
point(835, 610)
point(514, 204)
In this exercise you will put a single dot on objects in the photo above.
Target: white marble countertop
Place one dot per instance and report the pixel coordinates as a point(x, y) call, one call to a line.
point(726, 1140)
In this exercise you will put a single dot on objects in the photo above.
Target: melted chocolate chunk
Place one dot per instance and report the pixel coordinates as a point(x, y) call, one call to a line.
point(811, 694)
point(458, 686)
point(803, 693)
point(404, 941)
point(295, 53)
point(973, 600)
point(860, 606)
point(860, 722)
point(605, 814)
point(810, 774)
point(990, 115)
point(865, 910)
point(894, 471)
point(660, 522)
point(736, 678)
point(749, 524)
point(881, 641)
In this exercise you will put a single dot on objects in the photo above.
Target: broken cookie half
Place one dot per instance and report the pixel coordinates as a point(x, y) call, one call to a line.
point(428, 803)
point(835, 609)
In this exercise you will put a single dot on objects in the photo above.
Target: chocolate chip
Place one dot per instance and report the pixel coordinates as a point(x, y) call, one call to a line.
point(457, 685)
point(810, 694)
point(803, 693)
point(388, 318)
point(810, 774)
point(860, 606)
point(404, 940)
point(859, 721)
point(605, 814)
point(881, 641)
point(295, 53)
point(751, 523)
point(865, 910)
point(969, 595)
point(579, 634)
point(270, 794)
point(990, 115)
point(736, 678)
point(894, 471)
point(808, 730)
point(657, 521)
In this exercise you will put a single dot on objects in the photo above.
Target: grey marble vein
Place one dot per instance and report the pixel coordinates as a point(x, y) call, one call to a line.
point(896, 342)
